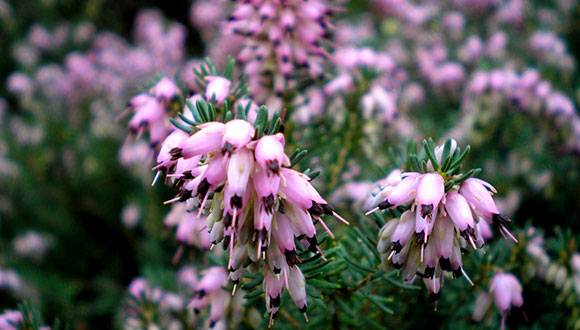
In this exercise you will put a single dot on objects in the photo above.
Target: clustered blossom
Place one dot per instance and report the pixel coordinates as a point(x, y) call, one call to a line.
point(195, 293)
point(190, 228)
point(209, 291)
point(526, 92)
point(442, 218)
point(440, 45)
point(143, 295)
point(257, 205)
point(505, 291)
point(151, 111)
point(100, 78)
point(381, 99)
point(280, 38)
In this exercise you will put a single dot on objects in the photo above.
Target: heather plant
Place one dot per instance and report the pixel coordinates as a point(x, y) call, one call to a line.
point(289, 164)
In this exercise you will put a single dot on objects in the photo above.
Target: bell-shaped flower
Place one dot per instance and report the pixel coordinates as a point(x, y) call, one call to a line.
point(164, 158)
point(218, 89)
point(165, 90)
point(237, 134)
point(297, 288)
point(240, 167)
point(479, 197)
point(207, 139)
point(270, 153)
point(430, 190)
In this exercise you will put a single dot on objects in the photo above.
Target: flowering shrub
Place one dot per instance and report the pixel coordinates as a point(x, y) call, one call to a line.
point(145, 187)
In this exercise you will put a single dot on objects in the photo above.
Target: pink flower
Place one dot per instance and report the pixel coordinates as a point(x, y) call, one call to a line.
point(207, 139)
point(165, 89)
point(172, 141)
point(270, 153)
point(218, 89)
point(480, 198)
point(237, 134)
point(428, 237)
point(507, 292)
point(430, 190)
point(459, 211)
point(240, 167)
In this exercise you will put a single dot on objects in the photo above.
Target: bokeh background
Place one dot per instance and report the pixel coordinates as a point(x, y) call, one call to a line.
point(79, 220)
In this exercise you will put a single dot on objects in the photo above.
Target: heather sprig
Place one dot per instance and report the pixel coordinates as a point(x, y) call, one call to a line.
point(441, 211)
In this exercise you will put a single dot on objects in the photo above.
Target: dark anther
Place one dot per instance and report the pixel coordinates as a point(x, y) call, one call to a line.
point(429, 272)
point(313, 243)
point(303, 309)
point(236, 201)
point(291, 258)
point(212, 324)
point(457, 273)
point(203, 187)
point(275, 302)
point(396, 246)
point(420, 237)
point(227, 240)
point(467, 233)
point(445, 264)
point(281, 208)
point(269, 203)
point(434, 297)
point(185, 195)
point(227, 220)
point(187, 175)
point(175, 153)
point(228, 148)
point(385, 205)
point(327, 209)
point(500, 219)
point(397, 265)
point(316, 210)
point(426, 210)
point(201, 293)
point(276, 270)
point(273, 166)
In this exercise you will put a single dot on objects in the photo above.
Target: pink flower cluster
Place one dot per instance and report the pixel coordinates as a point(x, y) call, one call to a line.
point(280, 38)
point(526, 92)
point(102, 76)
point(196, 291)
point(190, 229)
point(151, 111)
point(257, 204)
point(441, 220)
point(209, 291)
